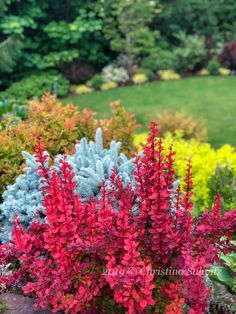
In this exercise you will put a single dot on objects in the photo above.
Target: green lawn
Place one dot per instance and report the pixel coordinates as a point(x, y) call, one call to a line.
point(211, 99)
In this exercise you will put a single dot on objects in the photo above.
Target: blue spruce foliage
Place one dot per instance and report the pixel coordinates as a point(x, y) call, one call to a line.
point(91, 163)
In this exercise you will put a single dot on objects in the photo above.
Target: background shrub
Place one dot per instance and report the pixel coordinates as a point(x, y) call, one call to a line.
point(224, 71)
point(78, 71)
point(228, 55)
point(203, 72)
point(109, 85)
point(96, 81)
point(139, 78)
point(167, 75)
point(35, 85)
point(191, 51)
point(114, 74)
point(160, 60)
point(156, 35)
point(73, 30)
point(10, 109)
point(151, 75)
point(82, 89)
point(123, 61)
point(213, 67)
point(189, 127)
point(223, 181)
point(5, 106)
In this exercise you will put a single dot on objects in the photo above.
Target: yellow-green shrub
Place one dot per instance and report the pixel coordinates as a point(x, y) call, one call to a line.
point(205, 160)
point(203, 72)
point(224, 71)
point(139, 78)
point(82, 89)
point(109, 85)
point(168, 75)
point(59, 127)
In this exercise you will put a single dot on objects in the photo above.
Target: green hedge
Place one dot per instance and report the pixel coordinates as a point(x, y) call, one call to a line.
point(35, 85)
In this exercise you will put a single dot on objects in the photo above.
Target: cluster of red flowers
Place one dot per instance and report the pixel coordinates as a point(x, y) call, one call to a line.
point(87, 256)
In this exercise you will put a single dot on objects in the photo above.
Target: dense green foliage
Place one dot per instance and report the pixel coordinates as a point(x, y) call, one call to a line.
point(206, 17)
point(50, 33)
point(121, 19)
point(225, 274)
point(182, 35)
point(224, 182)
point(96, 82)
point(10, 108)
point(36, 85)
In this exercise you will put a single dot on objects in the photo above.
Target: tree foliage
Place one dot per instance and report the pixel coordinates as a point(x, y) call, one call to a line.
point(51, 32)
point(120, 27)
point(40, 34)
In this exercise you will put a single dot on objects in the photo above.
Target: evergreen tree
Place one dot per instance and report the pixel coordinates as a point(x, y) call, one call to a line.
point(127, 27)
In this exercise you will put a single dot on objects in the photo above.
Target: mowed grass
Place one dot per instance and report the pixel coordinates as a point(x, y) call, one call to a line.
point(211, 99)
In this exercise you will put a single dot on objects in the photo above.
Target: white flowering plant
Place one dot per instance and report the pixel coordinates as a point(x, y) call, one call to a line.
point(115, 74)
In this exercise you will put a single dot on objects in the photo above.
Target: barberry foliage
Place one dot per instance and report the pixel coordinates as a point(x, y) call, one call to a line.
point(87, 252)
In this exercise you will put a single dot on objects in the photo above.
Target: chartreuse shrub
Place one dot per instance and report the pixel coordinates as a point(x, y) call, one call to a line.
point(82, 89)
point(224, 71)
point(205, 163)
point(168, 75)
point(94, 256)
point(59, 127)
point(139, 78)
point(91, 163)
point(203, 72)
point(109, 85)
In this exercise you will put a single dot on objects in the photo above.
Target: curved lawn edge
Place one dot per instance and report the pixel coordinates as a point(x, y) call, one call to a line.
point(211, 99)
